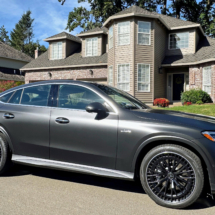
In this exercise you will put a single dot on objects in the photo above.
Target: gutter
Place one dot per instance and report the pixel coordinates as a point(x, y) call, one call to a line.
point(61, 67)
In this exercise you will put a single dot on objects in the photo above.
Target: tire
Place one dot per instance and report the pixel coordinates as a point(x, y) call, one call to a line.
point(5, 155)
point(172, 176)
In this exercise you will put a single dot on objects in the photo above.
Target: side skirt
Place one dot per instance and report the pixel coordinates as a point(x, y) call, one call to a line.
point(72, 167)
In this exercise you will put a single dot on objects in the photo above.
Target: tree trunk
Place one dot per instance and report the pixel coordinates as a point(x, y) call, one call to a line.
point(164, 7)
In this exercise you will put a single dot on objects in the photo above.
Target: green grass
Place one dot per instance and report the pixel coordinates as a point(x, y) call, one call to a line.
point(196, 109)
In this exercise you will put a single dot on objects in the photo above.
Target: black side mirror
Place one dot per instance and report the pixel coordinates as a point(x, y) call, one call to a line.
point(96, 107)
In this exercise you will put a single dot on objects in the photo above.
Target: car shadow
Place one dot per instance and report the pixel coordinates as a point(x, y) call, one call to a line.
point(203, 202)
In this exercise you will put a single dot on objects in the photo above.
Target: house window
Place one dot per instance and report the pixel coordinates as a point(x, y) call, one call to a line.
point(111, 37)
point(179, 40)
point(57, 50)
point(143, 77)
point(123, 77)
point(92, 47)
point(207, 76)
point(110, 76)
point(124, 33)
point(144, 33)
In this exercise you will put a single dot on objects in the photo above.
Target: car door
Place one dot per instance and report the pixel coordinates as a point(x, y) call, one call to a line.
point(25, 117)
point(77, 136)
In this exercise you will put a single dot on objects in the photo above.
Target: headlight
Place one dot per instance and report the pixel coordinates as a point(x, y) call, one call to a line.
point(209, 135)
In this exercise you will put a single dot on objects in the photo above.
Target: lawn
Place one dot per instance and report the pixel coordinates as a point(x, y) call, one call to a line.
point(197, 109)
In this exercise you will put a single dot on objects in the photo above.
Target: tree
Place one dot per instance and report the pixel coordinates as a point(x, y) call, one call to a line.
point(3, 35)
point(101, 10)
point(22, 34)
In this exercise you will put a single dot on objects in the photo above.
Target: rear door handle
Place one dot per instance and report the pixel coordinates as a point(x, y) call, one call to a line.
point(62, 120)
point(8, 116)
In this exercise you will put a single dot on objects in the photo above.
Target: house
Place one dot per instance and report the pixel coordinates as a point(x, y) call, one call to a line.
point(11, 60)
point(147, 54)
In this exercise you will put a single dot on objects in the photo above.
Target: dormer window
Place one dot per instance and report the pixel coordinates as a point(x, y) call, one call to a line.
point(56, 50)
point(179, 40)
point(92, 47)
point(124, 33)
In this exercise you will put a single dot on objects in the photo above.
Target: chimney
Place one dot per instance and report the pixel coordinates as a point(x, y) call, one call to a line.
point(36, 53)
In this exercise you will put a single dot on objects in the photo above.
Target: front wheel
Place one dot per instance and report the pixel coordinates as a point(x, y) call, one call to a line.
point(172, 176)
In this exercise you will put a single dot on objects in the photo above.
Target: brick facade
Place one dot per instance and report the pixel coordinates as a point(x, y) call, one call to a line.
point(72, 74)
point(196, 77)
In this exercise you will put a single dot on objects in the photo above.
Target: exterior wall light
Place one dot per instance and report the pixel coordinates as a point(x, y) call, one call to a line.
point(91, 71)
point(50, 74)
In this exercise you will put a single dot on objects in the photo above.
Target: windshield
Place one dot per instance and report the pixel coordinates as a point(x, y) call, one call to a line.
point(124, 99)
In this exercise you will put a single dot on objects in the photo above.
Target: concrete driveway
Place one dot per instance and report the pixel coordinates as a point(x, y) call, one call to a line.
point(27, 190)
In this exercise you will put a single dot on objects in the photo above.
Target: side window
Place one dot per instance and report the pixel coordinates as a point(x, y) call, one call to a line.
point(6, 97)
point(76, 97)
point(37, 95)
point(15, 99)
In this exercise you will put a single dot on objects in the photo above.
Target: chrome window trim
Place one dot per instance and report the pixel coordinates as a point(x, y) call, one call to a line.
point(109, 102)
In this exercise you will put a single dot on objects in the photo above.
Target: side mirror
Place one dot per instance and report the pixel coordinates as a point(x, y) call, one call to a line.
point(96, 107)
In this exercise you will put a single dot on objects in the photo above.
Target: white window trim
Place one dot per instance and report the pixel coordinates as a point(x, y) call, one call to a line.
point(179, 33)
point(112, 75)
point(119, 34)
point(129, 75)
point(203, 80)
point(52, 54)
point(110, 39)
point(143, 33)
point(92, 46)
point(144, 91)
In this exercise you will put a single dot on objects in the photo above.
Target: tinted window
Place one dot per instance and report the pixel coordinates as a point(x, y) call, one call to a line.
point(76, 97)
point(16, 97)
point(37, 96)
point(6, 97)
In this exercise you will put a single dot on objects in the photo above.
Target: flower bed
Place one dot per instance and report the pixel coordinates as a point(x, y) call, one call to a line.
point(161, 102)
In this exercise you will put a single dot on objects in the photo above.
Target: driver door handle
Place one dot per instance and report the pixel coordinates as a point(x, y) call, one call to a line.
point(8, 116)
point(62, 120)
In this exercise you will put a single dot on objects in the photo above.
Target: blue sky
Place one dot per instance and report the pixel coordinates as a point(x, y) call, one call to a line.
point(50, 16)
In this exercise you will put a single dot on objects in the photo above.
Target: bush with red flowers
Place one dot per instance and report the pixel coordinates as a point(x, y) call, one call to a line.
point(162, 102)
point(6, 85)
point(187, 103)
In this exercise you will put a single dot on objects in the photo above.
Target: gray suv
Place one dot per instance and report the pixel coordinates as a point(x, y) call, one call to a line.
point(98, 129)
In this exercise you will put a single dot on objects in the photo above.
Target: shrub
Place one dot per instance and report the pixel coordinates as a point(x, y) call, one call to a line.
point(199, 102)
point(6, 85)
point(195, 95)
point(161, 102)
point(187, 103)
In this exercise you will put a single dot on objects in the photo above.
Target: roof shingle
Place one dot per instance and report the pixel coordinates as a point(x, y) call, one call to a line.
point(73, 60)
point(65, 35)
point(205, 51)
point(94, 30)
point(7, 51)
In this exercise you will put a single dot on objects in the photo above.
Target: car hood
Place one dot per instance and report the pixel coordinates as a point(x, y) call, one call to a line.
point(177, 118)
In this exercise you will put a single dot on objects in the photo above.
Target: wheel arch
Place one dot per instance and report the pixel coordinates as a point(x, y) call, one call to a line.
point(151, 143)
point(4, 132)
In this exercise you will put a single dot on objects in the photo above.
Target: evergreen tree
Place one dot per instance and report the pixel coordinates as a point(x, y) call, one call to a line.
point(3, 35)
point(22, 34)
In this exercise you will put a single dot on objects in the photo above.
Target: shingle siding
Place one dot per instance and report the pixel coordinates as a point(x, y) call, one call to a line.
point(144, 54)
point(159, 49)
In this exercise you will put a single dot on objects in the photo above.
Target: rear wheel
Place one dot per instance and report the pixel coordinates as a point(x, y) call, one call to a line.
point(5, 155)
point(172, 176)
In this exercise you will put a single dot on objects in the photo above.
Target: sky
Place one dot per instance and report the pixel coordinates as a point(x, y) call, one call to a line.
point(50, 16)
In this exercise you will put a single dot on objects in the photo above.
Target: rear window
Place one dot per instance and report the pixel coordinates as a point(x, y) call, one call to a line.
point(6, 97)
point(37, 96)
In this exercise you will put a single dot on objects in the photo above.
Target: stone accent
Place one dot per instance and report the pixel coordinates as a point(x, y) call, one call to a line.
point(196, 77)
point(71, 74)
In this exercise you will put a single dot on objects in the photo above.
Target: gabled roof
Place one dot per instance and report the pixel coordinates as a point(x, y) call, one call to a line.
point(74, 60)
point(170, 22)
point(205, 53)
point(63, 35)
point(7, 51)
point(97, 30)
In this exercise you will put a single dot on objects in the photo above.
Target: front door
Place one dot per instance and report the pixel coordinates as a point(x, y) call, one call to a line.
point(77, 136)
point(178, 86)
